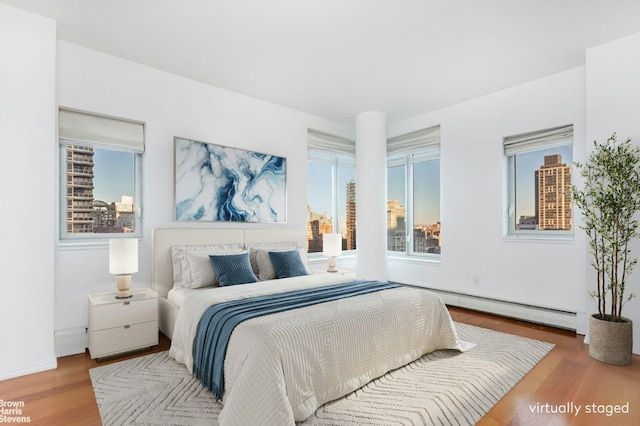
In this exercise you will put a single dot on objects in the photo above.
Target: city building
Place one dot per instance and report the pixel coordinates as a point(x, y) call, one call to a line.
point(395, 215)
point(552, 193)
point(104, 216)
point(527, 223)
point(426, 238)
point(317, 224)
point(350, 234)
point(396, 226)
point(80, 217)
point(125, 214)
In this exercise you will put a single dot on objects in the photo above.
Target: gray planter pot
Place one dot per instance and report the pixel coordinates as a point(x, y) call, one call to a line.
point(611, 342)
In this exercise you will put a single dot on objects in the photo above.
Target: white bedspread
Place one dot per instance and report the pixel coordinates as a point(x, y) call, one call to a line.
point(280, 368)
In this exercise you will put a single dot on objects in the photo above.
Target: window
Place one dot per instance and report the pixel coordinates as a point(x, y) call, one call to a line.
point(99, 175)
point(413, 193)
point(331, 190)
point(539, 182)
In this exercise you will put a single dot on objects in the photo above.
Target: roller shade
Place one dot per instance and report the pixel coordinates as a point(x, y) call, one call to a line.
point(326, 143)
point(99, 130)
point(420, 141)
point(534, 141)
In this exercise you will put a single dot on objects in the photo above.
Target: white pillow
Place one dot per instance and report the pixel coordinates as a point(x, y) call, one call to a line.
point(263, 267)
point(192, 267)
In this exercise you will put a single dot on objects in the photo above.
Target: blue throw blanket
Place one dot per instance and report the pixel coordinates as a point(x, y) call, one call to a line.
point(218, 321)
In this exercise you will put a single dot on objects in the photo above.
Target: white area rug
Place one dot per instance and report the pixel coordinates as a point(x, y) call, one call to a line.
point(444, 387)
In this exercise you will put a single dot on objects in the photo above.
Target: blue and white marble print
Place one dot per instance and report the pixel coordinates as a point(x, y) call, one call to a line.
point(218, 183)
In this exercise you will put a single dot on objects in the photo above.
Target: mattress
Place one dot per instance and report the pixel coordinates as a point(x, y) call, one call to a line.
point(280, 368)
point(179, 295)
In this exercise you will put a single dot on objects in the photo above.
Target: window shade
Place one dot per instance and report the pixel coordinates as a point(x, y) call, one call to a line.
point(94, 129)
point(324, 142)
point(534, 141)
point(419, 141)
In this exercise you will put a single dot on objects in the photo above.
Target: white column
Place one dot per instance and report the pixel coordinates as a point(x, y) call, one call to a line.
point(371, 195)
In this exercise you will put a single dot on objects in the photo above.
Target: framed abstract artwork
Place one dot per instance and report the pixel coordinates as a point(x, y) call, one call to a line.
point(220, 183)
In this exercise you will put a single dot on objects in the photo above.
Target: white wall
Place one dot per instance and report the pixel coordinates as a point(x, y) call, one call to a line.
point(476, 257)
point(170, 106)
point(27, 126)
point(613, 105)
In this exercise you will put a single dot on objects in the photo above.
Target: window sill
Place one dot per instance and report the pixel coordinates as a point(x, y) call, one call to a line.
point(431, 260)
point(539, 239)
point(66, 245)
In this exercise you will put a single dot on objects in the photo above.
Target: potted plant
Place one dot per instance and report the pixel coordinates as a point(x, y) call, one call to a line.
point(608, 203)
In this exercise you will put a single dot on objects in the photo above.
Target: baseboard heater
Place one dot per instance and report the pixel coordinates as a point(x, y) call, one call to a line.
point(536, 314)
point(70, 341)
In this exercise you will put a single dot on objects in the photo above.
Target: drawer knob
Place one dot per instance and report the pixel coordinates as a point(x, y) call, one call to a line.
point(127, 326)
point(126, 303)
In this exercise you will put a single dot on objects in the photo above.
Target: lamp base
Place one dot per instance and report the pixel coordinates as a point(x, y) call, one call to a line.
point(123, 283)
point(124, 297)
point(332, 264)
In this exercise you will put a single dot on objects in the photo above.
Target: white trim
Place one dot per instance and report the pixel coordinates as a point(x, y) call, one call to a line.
point(34, 367)
point(70, 341)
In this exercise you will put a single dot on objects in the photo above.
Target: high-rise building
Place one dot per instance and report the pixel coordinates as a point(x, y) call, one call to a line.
point(395, 215)
point(553, 198)
point(351, 216)
point(317, 224)
point(80, 218)
point(396, 226)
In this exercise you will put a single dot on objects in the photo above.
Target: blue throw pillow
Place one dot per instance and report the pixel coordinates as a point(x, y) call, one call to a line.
point(233, 269)
point(287, 264)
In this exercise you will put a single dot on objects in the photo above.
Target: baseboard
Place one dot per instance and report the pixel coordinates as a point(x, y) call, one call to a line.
point(536, 314)
point(36, 367)
point(70, 341)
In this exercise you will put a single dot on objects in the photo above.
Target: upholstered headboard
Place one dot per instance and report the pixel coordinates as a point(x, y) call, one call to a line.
point(165, 238)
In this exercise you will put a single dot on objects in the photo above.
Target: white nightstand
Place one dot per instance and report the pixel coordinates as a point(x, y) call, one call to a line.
point(122, 325)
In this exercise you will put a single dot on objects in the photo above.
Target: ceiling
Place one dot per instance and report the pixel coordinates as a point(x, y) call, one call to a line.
point(337, 58)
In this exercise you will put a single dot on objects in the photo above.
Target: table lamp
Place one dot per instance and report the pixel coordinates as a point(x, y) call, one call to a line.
point(332, 247)
point(123, 261)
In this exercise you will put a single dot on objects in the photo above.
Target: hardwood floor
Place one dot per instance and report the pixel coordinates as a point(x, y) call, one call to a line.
point(565, 379)
point(63, 396)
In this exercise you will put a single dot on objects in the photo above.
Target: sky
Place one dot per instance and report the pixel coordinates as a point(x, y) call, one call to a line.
point(113, 174)
point(319, 192)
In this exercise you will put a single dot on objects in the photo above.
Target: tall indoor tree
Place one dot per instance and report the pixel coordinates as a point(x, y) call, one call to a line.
point(608, 203)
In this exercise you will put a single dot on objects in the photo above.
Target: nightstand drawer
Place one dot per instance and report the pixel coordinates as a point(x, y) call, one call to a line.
point(124, 313)
point(125, 338)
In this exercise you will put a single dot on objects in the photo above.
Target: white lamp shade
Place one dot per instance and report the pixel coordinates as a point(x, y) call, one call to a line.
point(123, 256)
point(332, 245)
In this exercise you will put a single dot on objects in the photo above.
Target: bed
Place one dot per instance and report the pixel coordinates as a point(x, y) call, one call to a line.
point(280, 367)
